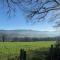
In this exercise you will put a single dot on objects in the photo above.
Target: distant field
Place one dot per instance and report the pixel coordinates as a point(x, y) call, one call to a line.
point(11, 49)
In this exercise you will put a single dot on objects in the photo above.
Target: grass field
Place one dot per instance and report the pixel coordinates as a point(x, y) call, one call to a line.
point(12, 49)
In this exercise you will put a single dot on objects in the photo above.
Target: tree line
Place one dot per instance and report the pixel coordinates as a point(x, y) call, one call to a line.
point(5, 37)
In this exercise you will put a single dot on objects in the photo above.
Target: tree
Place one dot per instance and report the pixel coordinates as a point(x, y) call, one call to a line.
point(4, 36)
point(34, 8)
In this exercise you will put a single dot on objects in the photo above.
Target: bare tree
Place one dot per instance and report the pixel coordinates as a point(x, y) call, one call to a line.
point(33, 8)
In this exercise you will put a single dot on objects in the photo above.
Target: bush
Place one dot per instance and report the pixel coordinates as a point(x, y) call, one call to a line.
point(54, 53)
point(38, 54)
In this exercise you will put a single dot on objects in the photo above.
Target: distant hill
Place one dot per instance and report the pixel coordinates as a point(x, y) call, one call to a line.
point(31, 33)
point(9, 34)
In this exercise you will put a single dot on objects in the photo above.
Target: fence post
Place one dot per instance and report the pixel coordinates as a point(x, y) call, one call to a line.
point(22, 54)
point(51, 52)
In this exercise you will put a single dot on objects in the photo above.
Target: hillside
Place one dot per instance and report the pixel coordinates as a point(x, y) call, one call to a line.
point(11, 34)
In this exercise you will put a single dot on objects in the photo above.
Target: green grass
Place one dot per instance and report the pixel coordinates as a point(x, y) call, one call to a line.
point(12, 49)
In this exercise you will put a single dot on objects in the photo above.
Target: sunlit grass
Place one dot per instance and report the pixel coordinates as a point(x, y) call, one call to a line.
point(11, 49)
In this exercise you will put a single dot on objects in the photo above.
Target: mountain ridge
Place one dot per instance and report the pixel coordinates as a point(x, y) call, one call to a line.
point(31, 33)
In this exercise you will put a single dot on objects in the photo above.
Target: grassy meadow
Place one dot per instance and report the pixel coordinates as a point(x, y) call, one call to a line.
point(12, 49)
